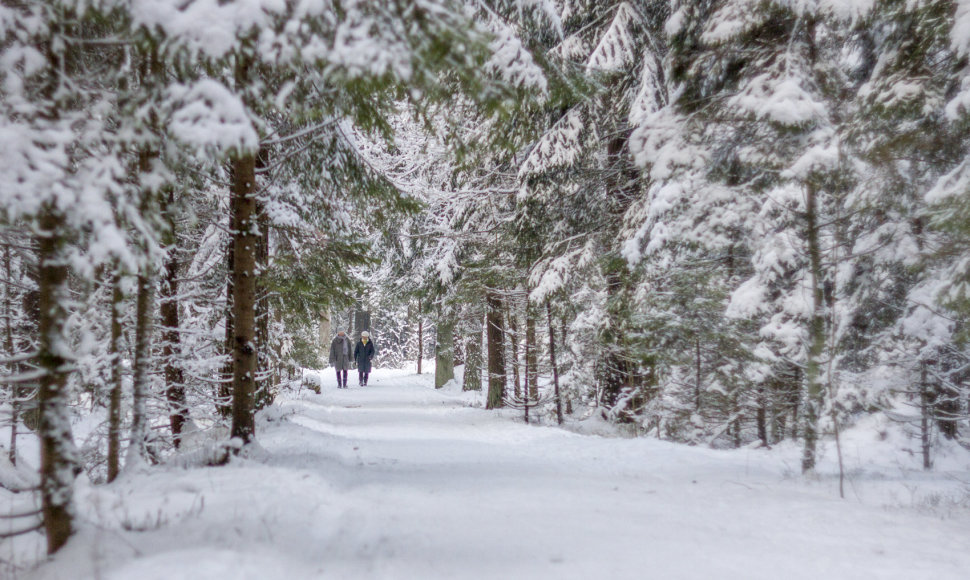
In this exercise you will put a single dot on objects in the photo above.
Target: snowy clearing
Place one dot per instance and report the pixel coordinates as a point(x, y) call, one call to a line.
point(397, 480)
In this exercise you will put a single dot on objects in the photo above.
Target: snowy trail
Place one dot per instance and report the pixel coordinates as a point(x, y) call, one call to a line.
point(397, 480)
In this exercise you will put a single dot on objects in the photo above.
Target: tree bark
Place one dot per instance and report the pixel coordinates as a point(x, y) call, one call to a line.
point(814, 387)
point(926, 412)
point(472, 379)
point(224, 390)
point(325, 326)
point(264, 360)
point(531, 357)
point(420, 339)
point(141, 377)
point(496, 352)
point(761, 417)
point(244, 352)
point(514, 341)
point(15, 391)
point(697, 371)
point(114, 399)
point(171, 336)
point(552, 362)
point(444, 355)
point(58, 458)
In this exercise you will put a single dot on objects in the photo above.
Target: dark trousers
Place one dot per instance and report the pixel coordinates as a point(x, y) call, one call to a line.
point(342, 382)
point(362, 378)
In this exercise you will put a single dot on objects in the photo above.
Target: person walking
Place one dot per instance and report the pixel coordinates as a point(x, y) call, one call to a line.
point(363, 353)
point(340, 357)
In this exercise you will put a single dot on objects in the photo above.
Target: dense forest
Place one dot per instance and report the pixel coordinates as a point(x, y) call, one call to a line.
point(716, 222)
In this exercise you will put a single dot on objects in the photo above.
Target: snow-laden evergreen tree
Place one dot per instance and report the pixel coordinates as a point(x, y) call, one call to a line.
point(68, 188)
point(576, 182)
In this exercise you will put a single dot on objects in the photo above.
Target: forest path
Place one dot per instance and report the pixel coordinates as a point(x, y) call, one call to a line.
point(398, 480)
point(435, 488)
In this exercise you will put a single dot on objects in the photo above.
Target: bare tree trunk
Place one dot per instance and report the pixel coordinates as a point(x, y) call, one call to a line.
point(444, 369)
point(552, 361)
point(224, 391)
point(244, 352)
point(514, 341)
point(472, 380)
point(114, 400)
point(58, 458)
point(263, 394)
point(141, 377)
point(697, 371)
point(171, 336)
point(762, 417)
point(325, 327)
point(531, 357)
point(816, 334)
point(926, 412)
point(420, 339)
point(496, 352)
point(15, 391)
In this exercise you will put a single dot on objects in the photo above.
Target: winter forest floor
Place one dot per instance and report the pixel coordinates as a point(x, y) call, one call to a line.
point(398, 480)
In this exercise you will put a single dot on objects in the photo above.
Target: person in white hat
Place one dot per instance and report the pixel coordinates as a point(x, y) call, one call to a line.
point(363, 354)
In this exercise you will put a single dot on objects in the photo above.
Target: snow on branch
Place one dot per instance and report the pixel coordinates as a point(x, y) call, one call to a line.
point(617, 49)
point(513, 62)
point(779, 99)
point(559, 147)
point(208, 118)
point(210, 27)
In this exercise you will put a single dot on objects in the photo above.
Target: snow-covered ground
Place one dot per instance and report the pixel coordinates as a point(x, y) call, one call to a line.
point(397, 480)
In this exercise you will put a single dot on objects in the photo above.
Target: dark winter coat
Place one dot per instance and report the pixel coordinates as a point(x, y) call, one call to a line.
point(363, 353)
point(340, 353)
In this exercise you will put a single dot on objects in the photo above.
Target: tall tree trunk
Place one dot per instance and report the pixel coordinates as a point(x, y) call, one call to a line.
point(114, 399)
point(697, 375)
point(926, 412)
point(141, 377)
point(224, 390)
point(325, 326)
point(15, 391)
point(244, 352)
point(144, 302)
point(444, 350)
point(264, 359)
point(496, 351)
point(552, 362)
point(420, 339)
point(761, 417)
point(171, 351)
point(531, 357)
point(472, 379)
point(814, 386)
point(178, 412)
point(514, 341)
point(58, 456)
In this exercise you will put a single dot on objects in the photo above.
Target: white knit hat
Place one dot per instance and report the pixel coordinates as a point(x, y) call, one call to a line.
point(365, 334)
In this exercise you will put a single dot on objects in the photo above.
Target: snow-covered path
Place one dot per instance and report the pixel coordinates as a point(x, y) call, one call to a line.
point(397, 480)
